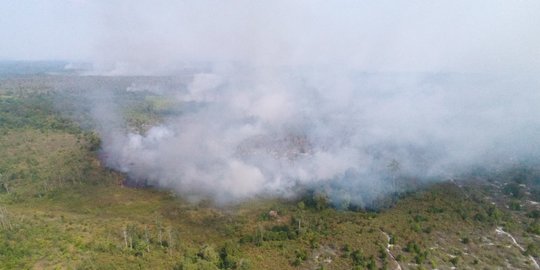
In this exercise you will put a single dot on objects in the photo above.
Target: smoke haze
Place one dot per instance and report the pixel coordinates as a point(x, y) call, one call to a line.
point(240, 135)
point(459, 36)
point(346, 97)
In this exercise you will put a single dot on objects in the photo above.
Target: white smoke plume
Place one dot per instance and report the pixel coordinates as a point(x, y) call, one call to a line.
point(343, 96)
point(248, 137)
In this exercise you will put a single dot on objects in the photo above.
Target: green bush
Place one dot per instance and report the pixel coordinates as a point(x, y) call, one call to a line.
point(514, 205)
point(534, 228)
point(358, 258)
point(208, 253)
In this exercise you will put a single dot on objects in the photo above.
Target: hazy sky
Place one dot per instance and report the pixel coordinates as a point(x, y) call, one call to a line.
point(46, 29)
point(372, 35)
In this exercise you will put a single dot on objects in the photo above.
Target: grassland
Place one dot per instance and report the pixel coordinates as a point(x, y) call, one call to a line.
point(60, 208)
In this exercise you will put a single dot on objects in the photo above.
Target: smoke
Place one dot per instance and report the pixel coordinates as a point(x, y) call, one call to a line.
point(344, 97)
point(239, 137)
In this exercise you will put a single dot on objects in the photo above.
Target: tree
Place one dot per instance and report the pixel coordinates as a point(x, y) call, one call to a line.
point(321, 200)
point(208, 253)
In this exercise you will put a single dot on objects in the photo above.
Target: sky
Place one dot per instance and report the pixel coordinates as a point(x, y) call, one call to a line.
point(463, 36)
point(46, 30)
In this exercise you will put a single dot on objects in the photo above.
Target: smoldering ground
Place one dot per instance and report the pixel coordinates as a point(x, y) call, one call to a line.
point(350, 98)
point(237, 138)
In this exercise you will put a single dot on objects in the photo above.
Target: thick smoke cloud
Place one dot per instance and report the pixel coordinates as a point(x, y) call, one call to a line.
point(247, 136)
point(344, 97)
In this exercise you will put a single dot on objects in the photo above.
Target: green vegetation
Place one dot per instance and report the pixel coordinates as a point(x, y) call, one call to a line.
point(61, 208)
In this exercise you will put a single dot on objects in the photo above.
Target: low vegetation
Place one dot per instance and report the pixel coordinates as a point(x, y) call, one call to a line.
point(60, 208)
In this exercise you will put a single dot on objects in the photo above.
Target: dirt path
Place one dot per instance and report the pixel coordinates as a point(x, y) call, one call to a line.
point(388, 246)
point(499, 230)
